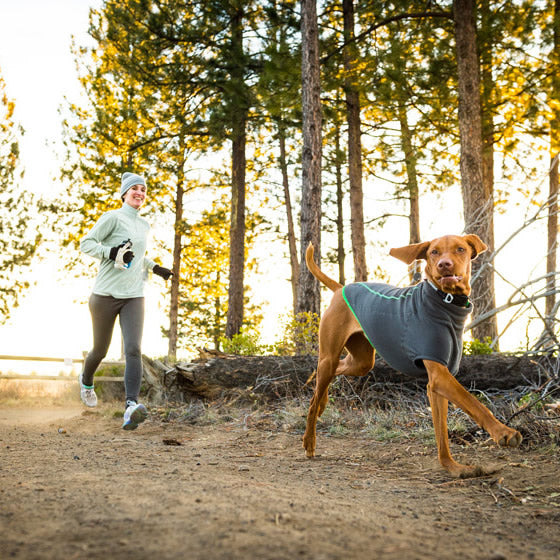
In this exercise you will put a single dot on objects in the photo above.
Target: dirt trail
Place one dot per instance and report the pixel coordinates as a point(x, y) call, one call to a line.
point(74, 485)
point(19, 416)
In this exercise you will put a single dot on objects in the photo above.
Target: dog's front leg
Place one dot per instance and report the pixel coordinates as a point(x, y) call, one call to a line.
point(439, 406)
point(442, 385)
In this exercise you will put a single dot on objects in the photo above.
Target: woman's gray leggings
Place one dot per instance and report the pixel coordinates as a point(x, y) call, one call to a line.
point(104, 311)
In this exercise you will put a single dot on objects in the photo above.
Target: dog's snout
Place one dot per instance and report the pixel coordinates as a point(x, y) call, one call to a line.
point(445, 264)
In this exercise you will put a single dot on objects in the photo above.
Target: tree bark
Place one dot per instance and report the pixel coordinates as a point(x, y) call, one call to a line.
point(489, 329)
point(237, 227)
point(552, 229)
point(354, 145)
point(292, 246)
point(340, 252)
point(552, 225)
point(237, 231)
point(477, 199)
point(415, 269)
point(309, 297)
point(177, 249)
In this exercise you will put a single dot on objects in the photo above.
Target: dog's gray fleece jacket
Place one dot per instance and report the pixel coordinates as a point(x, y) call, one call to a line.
point(408, 325)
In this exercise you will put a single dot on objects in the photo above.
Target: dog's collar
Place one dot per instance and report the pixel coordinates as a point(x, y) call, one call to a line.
point(455, 299)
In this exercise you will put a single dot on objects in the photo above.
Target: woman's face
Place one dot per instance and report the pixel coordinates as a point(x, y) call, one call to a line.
point(135, 196)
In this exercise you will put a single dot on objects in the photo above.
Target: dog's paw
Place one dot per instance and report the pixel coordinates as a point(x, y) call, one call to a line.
point(309, 447)
point(474, 471)
point(470, 471)
point(309, 452)
point(512, 438)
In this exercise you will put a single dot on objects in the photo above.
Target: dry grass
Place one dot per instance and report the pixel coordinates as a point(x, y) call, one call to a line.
point(384, 412)
point(38, 393)
point(389, 414)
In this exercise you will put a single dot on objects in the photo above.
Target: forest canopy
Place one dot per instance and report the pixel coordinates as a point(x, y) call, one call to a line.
point(354, 125)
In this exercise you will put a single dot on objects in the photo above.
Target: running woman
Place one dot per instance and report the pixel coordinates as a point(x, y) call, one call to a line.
point(119, 240)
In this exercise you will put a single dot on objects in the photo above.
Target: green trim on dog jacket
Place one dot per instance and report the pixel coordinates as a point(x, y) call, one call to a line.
point(408, 325)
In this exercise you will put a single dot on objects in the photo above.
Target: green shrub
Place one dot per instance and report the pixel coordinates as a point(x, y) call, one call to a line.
point(301, 335)
point(243, 344)
point(113, 370)
point(109, 390)
point(477, 348)
point(533, 401)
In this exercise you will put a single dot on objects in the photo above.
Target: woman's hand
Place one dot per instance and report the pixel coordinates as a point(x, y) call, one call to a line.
point(122, 255)
point(165, 273)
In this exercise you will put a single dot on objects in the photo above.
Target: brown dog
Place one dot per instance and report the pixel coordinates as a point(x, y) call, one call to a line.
point(417, 330)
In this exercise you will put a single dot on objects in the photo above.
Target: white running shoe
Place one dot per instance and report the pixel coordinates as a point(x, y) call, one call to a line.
point(87, 394)
point(134, 415)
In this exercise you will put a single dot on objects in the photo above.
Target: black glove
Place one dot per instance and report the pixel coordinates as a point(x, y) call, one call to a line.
point(128, 254)
point(122, 255)
point(165, 273)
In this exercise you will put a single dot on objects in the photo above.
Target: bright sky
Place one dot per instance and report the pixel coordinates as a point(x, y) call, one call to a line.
point(38, 68)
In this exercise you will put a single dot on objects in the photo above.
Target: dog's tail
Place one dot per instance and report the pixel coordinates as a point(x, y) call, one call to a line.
point(316, 271)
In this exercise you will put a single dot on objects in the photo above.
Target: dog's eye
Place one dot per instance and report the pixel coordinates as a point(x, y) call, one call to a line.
point(434, 252)
point(460, 249)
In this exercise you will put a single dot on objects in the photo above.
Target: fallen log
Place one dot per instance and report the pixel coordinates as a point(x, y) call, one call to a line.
point(275, 377)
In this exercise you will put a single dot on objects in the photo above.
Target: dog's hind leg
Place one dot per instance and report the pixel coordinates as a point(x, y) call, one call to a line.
point(360, 358)
point(332, 339)
point(325, 374)
point(358, 362)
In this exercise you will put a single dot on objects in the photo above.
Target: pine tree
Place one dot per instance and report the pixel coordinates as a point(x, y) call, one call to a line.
point(115, 132)
point(353, 118)
point(19, 239)
point(203, 291)
point(131, 124)
point(279, 105)
point(308, 288)
point(203, 295)
point(478, 200)
point(199, 48)
point(410, 127)
point(553, 103)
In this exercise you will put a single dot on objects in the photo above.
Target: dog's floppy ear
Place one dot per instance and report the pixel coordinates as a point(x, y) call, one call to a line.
point(410, 253)
point(478, 246)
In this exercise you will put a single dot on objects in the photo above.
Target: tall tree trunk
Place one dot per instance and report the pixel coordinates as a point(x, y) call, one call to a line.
point(415, 269)
point(309, 297)
point(340, 253)
point(292, 246)
point(354, 145)
point(487, 128)
point(237, 227)
point(237, 230)
point(478, 201)
point(552, 228)
point(552, 231)
point(177, 249)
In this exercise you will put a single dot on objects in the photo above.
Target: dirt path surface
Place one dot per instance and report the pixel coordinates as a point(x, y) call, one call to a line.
point(74, 485)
